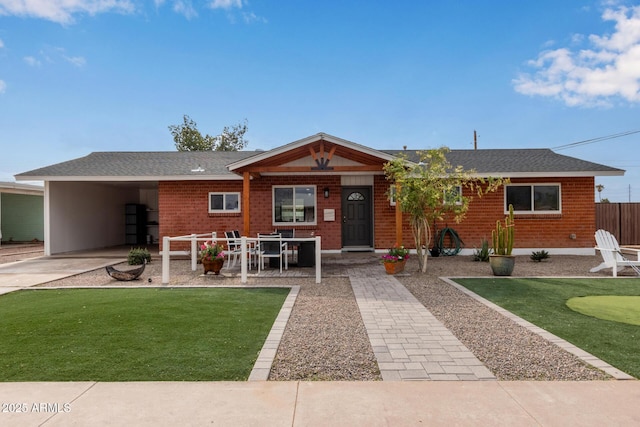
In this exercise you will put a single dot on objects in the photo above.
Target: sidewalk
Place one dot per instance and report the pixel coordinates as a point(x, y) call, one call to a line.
point(459, 403)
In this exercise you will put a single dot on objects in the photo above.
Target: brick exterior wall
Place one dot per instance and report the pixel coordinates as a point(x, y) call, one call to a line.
point(183, 209)
point(531, 231)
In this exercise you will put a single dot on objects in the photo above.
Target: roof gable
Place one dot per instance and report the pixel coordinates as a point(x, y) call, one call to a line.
point(320, 147)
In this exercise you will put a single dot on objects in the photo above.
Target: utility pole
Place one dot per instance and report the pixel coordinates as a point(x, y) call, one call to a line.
point(475, 140)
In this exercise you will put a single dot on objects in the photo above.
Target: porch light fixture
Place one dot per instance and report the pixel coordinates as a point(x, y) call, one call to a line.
point(326, 192)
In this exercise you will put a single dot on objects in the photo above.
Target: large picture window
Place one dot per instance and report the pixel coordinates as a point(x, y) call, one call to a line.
point(294, 204)
point(224, 202)
point(537, 198)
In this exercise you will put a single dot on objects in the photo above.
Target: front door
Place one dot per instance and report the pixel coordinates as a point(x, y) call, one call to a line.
point(356, 217)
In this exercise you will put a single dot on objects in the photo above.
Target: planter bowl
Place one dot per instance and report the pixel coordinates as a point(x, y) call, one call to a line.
point(502, 265)
point(394, 267)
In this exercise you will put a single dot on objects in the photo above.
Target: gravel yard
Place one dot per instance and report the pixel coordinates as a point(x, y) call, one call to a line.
point(325, 338)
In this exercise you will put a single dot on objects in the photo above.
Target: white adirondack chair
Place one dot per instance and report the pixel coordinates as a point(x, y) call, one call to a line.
point(612, 256)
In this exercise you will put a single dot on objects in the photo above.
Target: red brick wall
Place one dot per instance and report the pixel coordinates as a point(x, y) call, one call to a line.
point(531, 231)
point(183, 209)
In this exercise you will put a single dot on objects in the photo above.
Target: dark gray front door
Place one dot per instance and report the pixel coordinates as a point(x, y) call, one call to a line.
point(356, 217)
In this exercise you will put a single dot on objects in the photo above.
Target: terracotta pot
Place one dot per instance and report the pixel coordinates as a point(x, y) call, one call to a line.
point(394, 267)
point(214, 265)
point(502, 265)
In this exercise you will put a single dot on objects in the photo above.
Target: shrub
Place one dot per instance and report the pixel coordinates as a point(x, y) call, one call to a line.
point(483, 253)
point(137, 256)
point(539, 255)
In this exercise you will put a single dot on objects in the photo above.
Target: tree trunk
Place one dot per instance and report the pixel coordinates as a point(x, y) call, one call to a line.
point(422, 238)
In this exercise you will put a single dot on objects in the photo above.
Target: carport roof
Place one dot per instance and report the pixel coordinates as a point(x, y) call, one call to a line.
point(154, 165)
point(213, 165)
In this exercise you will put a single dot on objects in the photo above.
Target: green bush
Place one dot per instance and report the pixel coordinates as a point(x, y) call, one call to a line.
point(137, 256)
point(483, 253)
point(539, 255)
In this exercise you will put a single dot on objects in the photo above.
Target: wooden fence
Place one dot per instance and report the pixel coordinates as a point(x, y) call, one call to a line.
point(620, 219)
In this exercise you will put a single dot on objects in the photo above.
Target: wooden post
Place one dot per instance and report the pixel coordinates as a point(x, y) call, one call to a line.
point(398, 217)
point(246, 218)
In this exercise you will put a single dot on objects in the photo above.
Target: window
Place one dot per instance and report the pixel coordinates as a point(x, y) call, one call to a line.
point(224, 202)
point(538, 198)
point(356, 196)
point(392, 195)
point(453, 196)
point(294, 204)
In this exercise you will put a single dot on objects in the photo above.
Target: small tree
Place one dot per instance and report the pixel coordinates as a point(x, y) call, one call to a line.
point(188, 138)
point(429, 189)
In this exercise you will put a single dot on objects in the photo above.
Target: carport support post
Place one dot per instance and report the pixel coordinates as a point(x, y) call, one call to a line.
point(318, 260)
point(165, 260)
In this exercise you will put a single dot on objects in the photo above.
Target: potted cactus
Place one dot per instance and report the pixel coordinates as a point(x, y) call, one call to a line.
point(501, 261)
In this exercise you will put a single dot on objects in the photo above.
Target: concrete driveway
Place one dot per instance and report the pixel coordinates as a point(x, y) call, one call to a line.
point(31, 272)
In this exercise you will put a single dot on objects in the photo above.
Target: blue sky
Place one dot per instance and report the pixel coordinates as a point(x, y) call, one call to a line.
point(78, 76)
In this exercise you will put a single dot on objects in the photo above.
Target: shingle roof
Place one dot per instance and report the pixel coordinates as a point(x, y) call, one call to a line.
point(144, 164)
point(518, 161)
point(213, 164)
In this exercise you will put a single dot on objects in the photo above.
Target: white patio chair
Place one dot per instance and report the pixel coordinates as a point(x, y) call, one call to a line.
point(233, 248)
point(272, 246)
point(612, 256)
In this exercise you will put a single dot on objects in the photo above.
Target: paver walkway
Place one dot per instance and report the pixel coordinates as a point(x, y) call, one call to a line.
point(408, 341)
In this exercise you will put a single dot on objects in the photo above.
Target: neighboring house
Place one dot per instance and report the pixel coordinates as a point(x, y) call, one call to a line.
point(320, 185)
point(21, 212)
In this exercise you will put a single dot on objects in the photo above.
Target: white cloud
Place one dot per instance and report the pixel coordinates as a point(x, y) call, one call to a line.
point(30, 60)
point(184, 7)
point(608, 71)
point(78, 61)
point(226, 4)
point(62, 11)
point(3, 86)
point(251, 17)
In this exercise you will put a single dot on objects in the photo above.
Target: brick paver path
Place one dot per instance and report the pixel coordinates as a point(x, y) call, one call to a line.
point(408, 341)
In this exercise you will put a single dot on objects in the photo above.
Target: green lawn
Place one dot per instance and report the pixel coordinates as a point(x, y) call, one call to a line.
point(169, 334)
point(543, 303)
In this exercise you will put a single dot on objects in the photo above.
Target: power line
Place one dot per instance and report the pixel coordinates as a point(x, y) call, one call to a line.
point(593, 140)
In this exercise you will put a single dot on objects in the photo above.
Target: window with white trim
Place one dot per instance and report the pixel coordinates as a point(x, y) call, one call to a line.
point(224, 202)
point(533, 198)
point(453, 196)
point(294, 204)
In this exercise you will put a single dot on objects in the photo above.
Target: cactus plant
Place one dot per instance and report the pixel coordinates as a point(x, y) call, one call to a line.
point(502, 236)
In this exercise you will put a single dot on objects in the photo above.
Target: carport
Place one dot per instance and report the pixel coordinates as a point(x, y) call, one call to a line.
point(84, 215)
